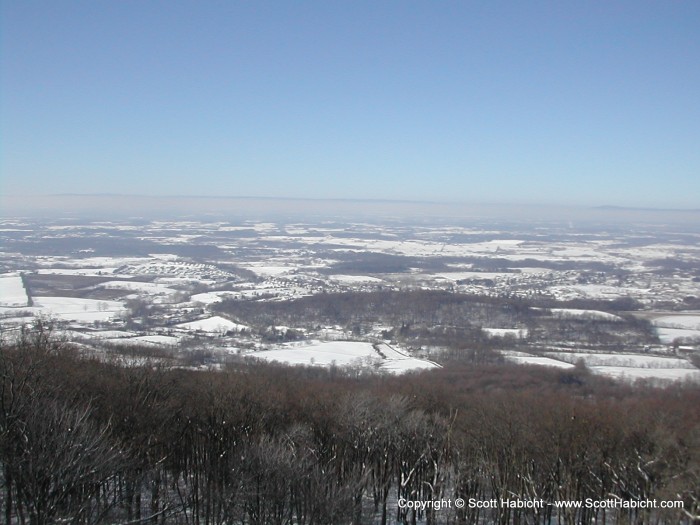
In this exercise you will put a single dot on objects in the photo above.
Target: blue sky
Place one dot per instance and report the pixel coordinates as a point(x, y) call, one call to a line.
point(524, 102)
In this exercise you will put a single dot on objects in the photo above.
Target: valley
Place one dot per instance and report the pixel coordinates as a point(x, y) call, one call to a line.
point(334, 291)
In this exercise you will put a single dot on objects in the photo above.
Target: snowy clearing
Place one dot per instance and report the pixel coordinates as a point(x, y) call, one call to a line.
point(138, 286)
point(215, 324)
point(686, 322)
point(535, 360)
point(107, 334)
point(12, 292)
point(267, 270)
point(519, 333)
point(670, 335)
point(345, 353)
point(211, 297)
point(356, 279)
point(572, 312)
point(622, 360)
point(465, 276)
point(156, 340)
point(631, 374)
point(74, 309)
point(618, 366)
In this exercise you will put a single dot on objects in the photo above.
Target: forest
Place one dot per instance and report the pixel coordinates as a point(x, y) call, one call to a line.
point(448, 319)
point(87, 441)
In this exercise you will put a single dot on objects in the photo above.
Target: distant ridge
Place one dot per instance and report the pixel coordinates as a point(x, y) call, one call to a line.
point(605, 207)
point(609, 207)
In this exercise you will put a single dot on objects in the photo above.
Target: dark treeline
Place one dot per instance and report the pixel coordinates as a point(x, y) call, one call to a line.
point(445, 318)
point(83, 441)
point(376, 262)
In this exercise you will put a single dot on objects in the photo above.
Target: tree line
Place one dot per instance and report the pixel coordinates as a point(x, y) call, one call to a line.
point(90, 442)
point(444, 318)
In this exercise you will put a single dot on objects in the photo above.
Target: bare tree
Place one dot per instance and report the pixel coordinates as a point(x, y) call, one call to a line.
point(63, 464)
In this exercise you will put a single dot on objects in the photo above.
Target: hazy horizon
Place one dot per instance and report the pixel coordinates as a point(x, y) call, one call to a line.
point(118, 207)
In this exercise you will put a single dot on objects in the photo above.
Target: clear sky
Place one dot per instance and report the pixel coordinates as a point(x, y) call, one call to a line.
point(577, 102)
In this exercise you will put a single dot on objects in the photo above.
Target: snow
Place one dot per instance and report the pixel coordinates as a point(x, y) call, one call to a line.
point(156, 340)
point(289, 258)
point(264, 226)
point(91, 263)
point(669, 374)
point(268, 270)
point(75, 309)
point(144, 288)
point(686, 322)
point(596, 291)
point(107, 334)
point(215, 324)
point(12, 292)
point(85, 272)
point(401, 366)
point(571, 312)
point(204, 273)
point(670, 328)
point(618, 366)
point(463, 276)
point(211, 297)
point(622, 360)
point(535, 360)
point(519, 333)
point(670, 335)
point(13, 322)
point(356, 279)
point(345, 353)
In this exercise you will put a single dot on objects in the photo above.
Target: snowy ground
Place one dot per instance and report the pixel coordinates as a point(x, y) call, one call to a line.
point(571, 312)
point(681, 328)
point(73, 309)
point(345, 354)
point(12, 292)
point(619, 366)
point(662, 374)
point(155, 340)
point(212, 325)
point(623, 360)
point(518, 333)
point(145, 288)
point(189, 266)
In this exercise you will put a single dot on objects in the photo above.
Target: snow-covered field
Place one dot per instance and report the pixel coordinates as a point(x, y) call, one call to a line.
point(622, 360)
point(356, 279)
point(663, 374)
point(686, 322)
point(571, 312)
point(212, 325)
point(106, 334)
point(678, 327)
point(74, 309)
point(537, 360)
point(12, 292)
point(345, 354)
point(619, 366)
point(518, 333)
point(139, 287)
point(269, 270)
point(155, 340)
point(208, 298)
point(671, 335)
